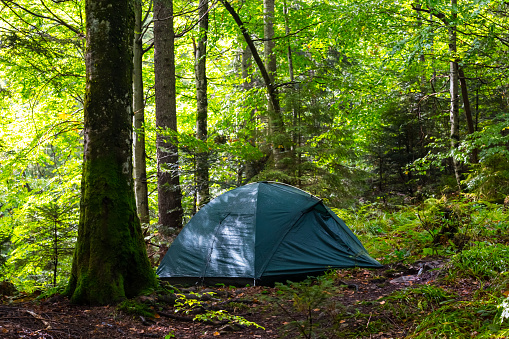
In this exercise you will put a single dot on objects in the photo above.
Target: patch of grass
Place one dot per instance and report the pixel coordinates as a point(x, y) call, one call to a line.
point(460, 320)
point(484, 261)
point(429, 293)
point(410, 303)
point(437, 227)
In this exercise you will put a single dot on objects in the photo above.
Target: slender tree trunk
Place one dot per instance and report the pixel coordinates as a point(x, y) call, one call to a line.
point(453, 89)
point(110, 261)
point(296, 154)
point(202, 164)
point(55, 251)
point(140, 164)
point(168, 182)
point(468, 111)
point(247, 84)
point(275, 121)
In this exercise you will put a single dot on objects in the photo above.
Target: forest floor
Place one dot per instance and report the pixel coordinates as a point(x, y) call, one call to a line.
point(356, 303)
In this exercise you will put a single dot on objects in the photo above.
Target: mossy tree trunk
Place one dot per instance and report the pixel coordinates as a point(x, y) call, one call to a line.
point(453, 89)
point(168, 182)
point(110, 260)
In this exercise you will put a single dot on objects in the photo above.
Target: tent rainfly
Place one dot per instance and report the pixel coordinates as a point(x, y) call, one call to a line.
point(261, 233)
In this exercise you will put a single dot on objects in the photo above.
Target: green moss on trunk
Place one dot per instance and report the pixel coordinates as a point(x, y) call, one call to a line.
point(110, 261)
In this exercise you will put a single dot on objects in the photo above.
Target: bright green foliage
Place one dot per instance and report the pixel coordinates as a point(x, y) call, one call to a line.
point(223, 315)
point(193, 302)
point(40, 154)
point(44, 245)
point(187, 304)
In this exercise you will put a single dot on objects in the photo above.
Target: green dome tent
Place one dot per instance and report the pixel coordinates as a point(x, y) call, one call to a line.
point(261, 233)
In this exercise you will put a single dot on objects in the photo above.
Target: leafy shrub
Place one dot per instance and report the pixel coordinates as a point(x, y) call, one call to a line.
point(193, 303)
point(446, 222)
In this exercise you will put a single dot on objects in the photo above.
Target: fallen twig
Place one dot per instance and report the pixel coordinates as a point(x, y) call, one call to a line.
point(36, 316)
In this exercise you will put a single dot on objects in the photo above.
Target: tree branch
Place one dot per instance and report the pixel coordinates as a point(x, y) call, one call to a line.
point(271, 90)
point(54, 19)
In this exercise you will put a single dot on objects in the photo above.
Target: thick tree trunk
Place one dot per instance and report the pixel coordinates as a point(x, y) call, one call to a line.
point(453, 89)
point(202, 164)
point(140, 165)
point(168, 182)
point(110, 261)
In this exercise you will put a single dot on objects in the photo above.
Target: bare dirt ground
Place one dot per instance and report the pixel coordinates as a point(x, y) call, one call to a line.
point(55, 317)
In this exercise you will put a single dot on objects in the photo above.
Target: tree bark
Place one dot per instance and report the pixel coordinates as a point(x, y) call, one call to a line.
point(202, 165)
point(275, 121)
point(247, 84)
point(140, 164)
point(468, 111)
point(453, 89)
point(296, 136)
point(110, 261)
point(168, 182)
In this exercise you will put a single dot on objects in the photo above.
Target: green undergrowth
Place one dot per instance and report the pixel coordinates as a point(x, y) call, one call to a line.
point(309, 306)
point(471, 294)
point(483, 261)
point(437, 227)
point(462, 319)
point(411, 304)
